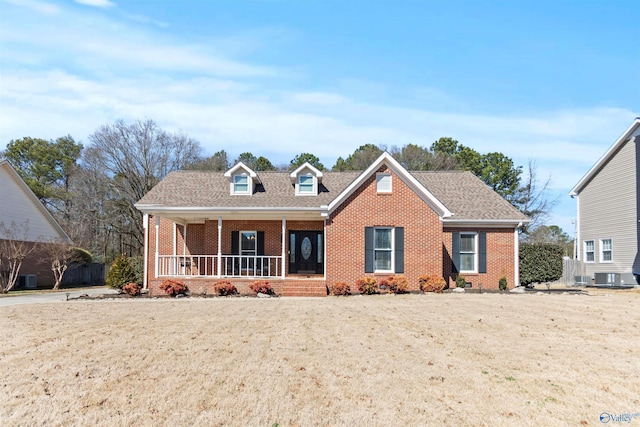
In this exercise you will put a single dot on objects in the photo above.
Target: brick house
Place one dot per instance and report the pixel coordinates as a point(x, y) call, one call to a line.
point(305, 230)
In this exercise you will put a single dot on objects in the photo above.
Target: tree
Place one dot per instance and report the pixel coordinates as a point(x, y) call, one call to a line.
point(413, 157)
point(248, 159)
point(47, 168)
point(121, 273)
point(15, 247)
point(540, 263)
point(303, 158)
point(59, 253)
point(499, 173)
point(263, 164)
point(552, 235)
point(134, 158)
point(218, 162)
point(360, 159)
point(531, 199)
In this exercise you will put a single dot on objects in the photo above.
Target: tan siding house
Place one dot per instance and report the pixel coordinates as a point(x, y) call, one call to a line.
point(18, 205)
point(608, 210)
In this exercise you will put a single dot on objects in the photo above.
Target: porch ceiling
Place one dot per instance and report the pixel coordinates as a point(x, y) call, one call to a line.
point(199, 216)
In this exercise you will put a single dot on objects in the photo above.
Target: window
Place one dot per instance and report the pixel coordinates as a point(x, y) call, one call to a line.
point(240, 184)
point(468, 252)
point(248, 248)
point(589, 251)
point(306, 184)
point(383, 182)
point(606, 250)
point(383, 249)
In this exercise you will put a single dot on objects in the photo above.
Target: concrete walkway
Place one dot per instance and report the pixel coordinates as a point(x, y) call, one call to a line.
point(57, 296)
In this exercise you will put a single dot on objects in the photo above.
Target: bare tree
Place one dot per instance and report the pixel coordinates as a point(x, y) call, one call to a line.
point(532, 199)
point(15, 247)
point(59, 253)
point(133, 159)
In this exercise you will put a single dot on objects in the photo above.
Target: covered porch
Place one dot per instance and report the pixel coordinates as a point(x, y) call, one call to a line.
point(234, 246)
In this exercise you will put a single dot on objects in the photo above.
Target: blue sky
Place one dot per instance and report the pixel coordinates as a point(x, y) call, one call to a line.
point(555, 82)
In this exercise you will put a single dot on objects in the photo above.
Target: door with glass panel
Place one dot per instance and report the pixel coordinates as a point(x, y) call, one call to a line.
point(306, 252)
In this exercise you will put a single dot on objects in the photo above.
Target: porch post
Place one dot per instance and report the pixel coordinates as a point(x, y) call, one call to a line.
point(175, 239)
point(157, 244)
point(184, 241)
point(219, 247)
point(145, 273)
point(516, 256)
point(284, 237)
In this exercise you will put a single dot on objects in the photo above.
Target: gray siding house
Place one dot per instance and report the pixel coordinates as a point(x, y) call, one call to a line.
point(608, 211)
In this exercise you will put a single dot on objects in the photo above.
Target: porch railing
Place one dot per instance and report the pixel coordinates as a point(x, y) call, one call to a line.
point(231, 266)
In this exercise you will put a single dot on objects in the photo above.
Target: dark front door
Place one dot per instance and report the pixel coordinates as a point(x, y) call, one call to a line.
point(306, 252)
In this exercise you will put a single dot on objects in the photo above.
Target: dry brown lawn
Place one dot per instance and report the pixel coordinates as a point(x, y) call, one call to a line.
point(449, 359)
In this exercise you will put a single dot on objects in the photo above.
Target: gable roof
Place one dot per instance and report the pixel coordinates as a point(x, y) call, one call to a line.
point(634, 129)
point(20, 203)
point(458, 197)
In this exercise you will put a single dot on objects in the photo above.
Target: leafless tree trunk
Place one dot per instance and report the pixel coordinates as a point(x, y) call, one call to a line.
point(59, 254)
point(14, 248)
point(531, 198)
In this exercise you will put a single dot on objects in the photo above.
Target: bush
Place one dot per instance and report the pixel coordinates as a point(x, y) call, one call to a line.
point(261, 287)
point(540, 263)
point(225, 288)
point(81, 256)
point(341, 288)
point(394, 284)
point(461, 282)
point(367, 285)
point(132, 289)
point(174, 287)
point(120, 273)
point(502, 283)
point(432, 283)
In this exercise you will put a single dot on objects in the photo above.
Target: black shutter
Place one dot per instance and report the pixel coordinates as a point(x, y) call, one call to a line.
point(399, 249)
point(260, 245)
point(368, 249)
point(482, 249)
point(455, 252)
point(235, 243)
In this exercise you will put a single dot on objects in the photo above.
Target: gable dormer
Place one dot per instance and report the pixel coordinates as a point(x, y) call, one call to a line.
point(306, 180)
point(242, 180)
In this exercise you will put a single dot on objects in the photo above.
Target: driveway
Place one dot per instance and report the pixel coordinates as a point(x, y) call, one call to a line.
point(54, 296)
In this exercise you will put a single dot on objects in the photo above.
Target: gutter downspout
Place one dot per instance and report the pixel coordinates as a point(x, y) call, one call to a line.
point(145, 274)
point(516, 256)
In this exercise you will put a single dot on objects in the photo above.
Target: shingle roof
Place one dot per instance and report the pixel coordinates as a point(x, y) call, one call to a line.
point(461, 192)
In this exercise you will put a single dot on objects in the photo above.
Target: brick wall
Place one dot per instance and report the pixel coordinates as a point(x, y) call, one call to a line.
point(499, 258)
point(400, 208)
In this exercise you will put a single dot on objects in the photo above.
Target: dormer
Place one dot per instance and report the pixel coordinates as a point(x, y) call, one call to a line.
point(306, 179)
point(242, 180)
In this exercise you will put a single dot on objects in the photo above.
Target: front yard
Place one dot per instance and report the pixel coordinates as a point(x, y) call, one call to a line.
point(449, 359)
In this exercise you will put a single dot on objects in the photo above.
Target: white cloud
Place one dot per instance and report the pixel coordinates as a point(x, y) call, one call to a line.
point(104, 4)
point(36, 6)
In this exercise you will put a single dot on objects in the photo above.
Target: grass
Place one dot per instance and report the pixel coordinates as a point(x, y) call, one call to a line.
point(451, 359)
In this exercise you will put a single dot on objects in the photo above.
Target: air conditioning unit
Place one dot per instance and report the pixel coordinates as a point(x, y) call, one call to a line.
point(27, 281)
point(609, 279)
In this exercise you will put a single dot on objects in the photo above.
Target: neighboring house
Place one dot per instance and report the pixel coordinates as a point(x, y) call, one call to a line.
point(608, 211)
point(20, 206)
point(306, 230)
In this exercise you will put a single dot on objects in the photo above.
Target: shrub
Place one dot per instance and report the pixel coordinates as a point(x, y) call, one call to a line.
point(502, 283)
point(432, 283)
point(81, 256)
point(540, 263)
point(367, 285)
point(132, 289)
point(174, 287)
point(341, 288)
point(120, 273)
point(461, 282)
point(261, 287)
point(225, 288)
point(394, 284)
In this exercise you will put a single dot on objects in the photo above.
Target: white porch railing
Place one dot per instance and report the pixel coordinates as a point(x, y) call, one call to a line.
point(207, 266)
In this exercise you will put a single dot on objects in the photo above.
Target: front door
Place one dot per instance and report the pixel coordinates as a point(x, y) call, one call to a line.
point(306, 252)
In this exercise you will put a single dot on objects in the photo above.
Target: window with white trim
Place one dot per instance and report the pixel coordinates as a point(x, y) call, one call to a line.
point(606, 250)
point(383, 249)
point(306, 184)
point(383, 182)
point(241, 184)
point(589, 251)
point(468, 252)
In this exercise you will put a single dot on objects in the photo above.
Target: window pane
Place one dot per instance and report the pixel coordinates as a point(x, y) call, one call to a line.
point(320, 247)
point(590, 245)
point(467, 262)
point(248, 242)
point(467, 243)
point(305, 184)
point(383, 238)
point(383, 260)
point(241, 184)
point(606, 256)
point(292, 247)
